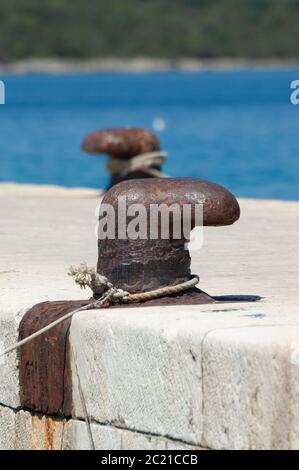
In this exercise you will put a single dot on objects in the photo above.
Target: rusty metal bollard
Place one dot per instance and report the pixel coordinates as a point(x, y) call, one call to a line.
point(135, 265)
point(145, 264)
point(133, 153)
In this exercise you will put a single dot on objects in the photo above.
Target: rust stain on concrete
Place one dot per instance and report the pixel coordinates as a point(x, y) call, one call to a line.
point(50, 430)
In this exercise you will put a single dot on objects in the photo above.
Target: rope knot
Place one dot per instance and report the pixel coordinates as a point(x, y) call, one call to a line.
point(105, 294)
point(85, 276)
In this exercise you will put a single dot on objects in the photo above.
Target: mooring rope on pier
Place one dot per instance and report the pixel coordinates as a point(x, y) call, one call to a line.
point(106, 294)
point(144, 163)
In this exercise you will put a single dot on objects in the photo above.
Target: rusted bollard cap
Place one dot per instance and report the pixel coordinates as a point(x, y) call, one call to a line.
point(144, 264)
point(121, 143)
point(134, 153)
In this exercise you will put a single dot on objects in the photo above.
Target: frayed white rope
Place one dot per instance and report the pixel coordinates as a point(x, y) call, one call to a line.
point(144, 162)
point(88, 277)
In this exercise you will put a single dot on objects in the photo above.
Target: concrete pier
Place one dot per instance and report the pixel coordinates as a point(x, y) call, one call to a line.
point(219, 376)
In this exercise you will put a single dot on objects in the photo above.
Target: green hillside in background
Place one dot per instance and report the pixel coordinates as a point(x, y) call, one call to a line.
point(151, 28)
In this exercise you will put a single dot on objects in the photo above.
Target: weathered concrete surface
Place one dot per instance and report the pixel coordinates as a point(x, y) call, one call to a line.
point(21, 430)
point(156, 372)
point(43, 231)
point(9, 376)
point(222, 376)
point(251, 388)
point(111, 438)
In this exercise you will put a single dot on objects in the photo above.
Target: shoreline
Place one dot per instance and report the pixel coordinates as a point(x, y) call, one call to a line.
point(140, 65)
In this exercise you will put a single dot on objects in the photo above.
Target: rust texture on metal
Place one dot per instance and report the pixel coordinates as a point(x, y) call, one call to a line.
point(122, 144)
point(134, 265)
point(146, 264)
point(44, 363)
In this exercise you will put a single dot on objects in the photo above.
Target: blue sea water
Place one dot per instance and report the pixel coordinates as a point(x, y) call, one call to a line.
point(235, 128)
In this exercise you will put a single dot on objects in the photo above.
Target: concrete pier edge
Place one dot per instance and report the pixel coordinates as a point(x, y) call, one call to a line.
point(223, 376)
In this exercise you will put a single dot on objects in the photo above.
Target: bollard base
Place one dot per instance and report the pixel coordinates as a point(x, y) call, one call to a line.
point(191, 297)
point(44, 366)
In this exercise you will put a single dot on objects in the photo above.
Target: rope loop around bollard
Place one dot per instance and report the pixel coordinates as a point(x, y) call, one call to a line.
point(106, 294)
point(144, 163)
